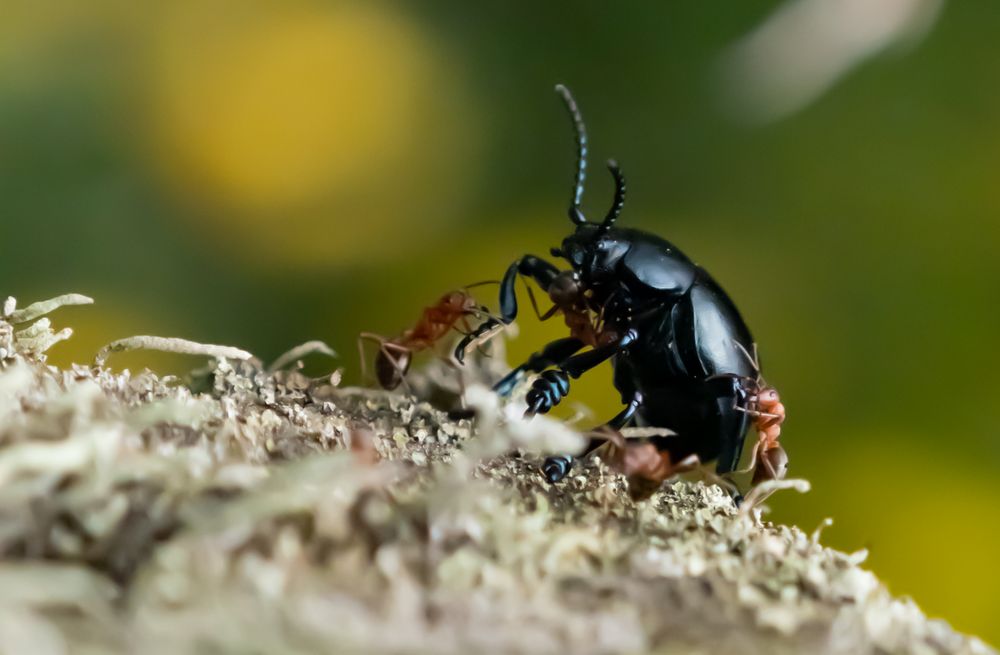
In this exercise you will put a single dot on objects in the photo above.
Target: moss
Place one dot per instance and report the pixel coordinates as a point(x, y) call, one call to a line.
point(272, 512)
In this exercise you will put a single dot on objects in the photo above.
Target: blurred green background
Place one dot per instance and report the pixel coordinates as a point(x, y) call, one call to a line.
point(263, 173)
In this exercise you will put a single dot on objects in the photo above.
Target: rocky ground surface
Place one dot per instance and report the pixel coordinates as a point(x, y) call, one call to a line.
point(251, 509)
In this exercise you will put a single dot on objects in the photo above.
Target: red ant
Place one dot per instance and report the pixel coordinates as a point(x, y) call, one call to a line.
point(644, 466)
point(395, 354)
point(769, 460)
point(568, 296)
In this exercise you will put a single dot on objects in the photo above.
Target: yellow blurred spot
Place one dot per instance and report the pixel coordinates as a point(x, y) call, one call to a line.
point(311, 132)
point(928, 519)
point(35, 35)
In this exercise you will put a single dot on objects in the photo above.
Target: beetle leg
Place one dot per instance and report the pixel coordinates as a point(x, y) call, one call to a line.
point(556, 468)
point(539, 270)
point(625, 416)
point(549, 390)
point(580, 364)
point(546, 392)
point(553, 354)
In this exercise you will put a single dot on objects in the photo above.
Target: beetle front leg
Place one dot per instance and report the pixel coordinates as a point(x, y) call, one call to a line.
point(539, 270)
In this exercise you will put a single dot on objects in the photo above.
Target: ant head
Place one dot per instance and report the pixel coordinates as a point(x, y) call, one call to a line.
point(566, 290)
point(460, 302)
point(768, 396)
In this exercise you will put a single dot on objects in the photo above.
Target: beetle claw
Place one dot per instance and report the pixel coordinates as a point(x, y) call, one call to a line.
point(556, 468)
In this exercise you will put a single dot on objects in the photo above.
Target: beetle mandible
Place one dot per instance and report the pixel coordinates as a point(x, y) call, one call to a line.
point(678, 346)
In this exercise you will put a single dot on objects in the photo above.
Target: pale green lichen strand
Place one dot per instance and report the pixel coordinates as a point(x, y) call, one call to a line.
point(169, 345)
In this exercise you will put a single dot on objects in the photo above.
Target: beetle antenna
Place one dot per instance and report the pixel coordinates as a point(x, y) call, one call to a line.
point(618, 202)
point(575, 214)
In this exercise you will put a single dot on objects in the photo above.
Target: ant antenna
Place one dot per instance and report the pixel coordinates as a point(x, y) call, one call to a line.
point(575, 214)
point(618, 202)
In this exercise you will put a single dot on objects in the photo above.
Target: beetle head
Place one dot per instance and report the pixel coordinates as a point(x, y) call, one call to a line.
point(593, 249)
point(593, 253)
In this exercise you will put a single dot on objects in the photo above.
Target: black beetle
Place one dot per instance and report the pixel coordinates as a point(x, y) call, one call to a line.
point(679, 344)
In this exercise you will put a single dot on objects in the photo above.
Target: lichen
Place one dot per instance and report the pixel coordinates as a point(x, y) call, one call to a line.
point(250, 508)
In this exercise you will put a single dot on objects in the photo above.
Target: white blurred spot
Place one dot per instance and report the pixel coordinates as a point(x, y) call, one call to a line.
point(806, 46)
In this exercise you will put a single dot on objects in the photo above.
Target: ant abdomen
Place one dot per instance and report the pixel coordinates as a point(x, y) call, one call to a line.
point(390, 368)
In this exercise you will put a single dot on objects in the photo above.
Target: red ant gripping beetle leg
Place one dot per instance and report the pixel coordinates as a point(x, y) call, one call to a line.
point(395, 355)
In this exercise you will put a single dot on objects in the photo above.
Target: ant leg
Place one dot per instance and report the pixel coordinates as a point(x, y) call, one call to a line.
point(549, 313)
point(556, 468)
point(389, 349)
point(479, 284)
point(753, 459)
point(774, 463)
point(460, 374)
point(367, 336)
point(465, 329)
point(752, 358)
point(754, 413)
